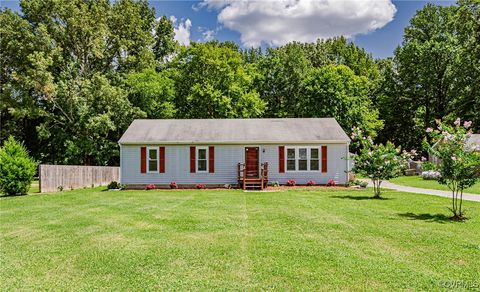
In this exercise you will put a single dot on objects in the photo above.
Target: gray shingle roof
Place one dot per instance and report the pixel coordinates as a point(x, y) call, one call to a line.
point(234, 131)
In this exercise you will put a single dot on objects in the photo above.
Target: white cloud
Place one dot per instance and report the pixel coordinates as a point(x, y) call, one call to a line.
point(208, 34)
point(181, 30)
point(276, 22)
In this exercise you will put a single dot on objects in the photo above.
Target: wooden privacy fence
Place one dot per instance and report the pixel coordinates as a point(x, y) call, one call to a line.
point(56, 177)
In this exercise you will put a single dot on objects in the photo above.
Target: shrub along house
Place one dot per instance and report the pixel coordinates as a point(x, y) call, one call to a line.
point(247, 152)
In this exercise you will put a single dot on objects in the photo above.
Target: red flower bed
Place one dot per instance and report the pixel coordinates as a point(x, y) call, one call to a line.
point(311, 183)
point(173, 185)
point(200, 186)
point(291, 182)
point(150, 187)
point(331, 183)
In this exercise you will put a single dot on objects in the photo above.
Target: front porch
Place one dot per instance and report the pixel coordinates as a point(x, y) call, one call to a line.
point(252, 178)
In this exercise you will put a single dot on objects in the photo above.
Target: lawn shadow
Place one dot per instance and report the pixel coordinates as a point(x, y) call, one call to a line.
point(439, 218)
point(360, 198)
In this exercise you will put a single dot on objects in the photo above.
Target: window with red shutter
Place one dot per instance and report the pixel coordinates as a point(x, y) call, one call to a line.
point(281, 159)
point(324, 158)
point(192, 159)
point(211, 159)
point(161, 159)
point(143, 159)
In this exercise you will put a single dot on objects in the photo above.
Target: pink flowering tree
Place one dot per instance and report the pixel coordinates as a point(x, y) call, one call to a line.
point(459, 164)
point(378, 162)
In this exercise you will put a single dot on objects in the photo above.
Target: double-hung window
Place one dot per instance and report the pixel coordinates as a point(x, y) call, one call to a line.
point(291, 161)
point(314, 159)
point(152, 159)
point(303, 159)
point(202, 159)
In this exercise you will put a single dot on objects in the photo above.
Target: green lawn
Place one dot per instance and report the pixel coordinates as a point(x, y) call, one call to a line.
point(34, 187)
point(303, 239)
point(419, 182)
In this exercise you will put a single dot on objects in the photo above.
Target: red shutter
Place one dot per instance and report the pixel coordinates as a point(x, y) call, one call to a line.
point(211, 159)
point(192, 159)
point(161, 159)
point(143, 159)
point(324, 158)
point(281, 159)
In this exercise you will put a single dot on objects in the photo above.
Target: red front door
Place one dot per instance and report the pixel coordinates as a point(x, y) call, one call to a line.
point(251, 161)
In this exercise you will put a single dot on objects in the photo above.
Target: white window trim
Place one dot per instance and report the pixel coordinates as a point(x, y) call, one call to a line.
point(148, 160)
point(197, 157)
point(297, 158)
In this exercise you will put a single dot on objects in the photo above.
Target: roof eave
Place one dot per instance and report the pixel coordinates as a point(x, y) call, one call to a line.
point(232, 142)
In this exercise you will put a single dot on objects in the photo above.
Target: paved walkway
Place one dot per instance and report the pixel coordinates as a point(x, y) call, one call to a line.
point(446, 194)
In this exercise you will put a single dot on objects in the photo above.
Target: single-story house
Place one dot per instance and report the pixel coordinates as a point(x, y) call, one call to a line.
point(244, 152)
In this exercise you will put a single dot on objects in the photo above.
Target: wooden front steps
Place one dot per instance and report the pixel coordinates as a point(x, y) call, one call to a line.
point(252, 183)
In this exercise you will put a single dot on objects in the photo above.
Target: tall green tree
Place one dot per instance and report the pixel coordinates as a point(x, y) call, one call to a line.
point(283, 70)
point(60, 55)
point(335, 91)
point(164, 43)
point(153, 92)
point(213, 81)
point(435, 72)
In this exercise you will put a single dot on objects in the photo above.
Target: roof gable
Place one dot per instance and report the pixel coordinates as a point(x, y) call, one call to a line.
point(234, 131)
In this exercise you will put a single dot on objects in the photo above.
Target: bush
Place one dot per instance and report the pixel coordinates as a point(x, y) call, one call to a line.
point(275, 183)
point(173, 185)
point(200, 186)
point(16, 168)
point(113, 185)
point(331, 183)
point(430, 175)
point(150, 187)
point(291, 182)
point(360, 183)
point(311, 183)
point(427, 166)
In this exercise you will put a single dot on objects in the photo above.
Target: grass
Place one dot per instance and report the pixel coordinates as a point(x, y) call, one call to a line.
point(419, 182)
point(34, 187)
point(302, 239)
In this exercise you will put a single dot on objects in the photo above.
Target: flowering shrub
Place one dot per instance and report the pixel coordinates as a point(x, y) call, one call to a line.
point(291, 182)
point(459, 162)
point(200, 186)
point(430, 175)
point(150, 187)
point(173, 185)
point(311, 183)
point(378, 161)
point(331, 183)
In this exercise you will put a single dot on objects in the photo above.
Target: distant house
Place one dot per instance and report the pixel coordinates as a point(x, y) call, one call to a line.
point(244, 152)
point(473, 141)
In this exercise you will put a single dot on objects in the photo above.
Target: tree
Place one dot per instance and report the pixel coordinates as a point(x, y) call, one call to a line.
point(153, 92)
point(164, 43)
point(377, 161)
point(436, 73)
point(85, 119)
point(213, 81)
point(335, 91)
point(52, 54)
point(16, 168)
point(459, 162)
point(283, 70)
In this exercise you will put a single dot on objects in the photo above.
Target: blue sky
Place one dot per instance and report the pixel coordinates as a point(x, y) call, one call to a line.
point(376, 25)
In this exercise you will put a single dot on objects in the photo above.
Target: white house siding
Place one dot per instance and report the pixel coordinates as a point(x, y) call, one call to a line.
point(177, 165)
